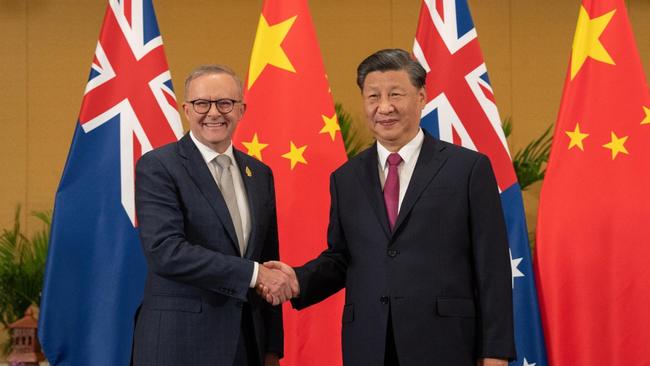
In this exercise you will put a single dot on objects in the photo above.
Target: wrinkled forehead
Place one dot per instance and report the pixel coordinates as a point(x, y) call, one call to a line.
point(225, 78)
point(387, 80)
point(215, 82)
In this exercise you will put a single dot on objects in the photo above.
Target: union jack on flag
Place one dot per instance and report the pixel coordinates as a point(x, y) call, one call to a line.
point(461, 109)
point(95, 269)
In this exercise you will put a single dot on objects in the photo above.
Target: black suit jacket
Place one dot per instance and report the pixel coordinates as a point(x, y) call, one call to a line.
point(443, 273)
point(197, 282)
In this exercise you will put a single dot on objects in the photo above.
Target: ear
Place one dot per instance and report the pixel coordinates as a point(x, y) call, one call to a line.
point(422, 97)
point(186, 109)
point(243, 108)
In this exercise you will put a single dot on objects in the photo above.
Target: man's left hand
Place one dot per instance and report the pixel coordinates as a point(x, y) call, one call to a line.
point(271, 359)
point(492, 362)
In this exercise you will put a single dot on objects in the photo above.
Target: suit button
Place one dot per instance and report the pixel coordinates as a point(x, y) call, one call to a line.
point(393, 253)
point(239, 304)
point(383, 300)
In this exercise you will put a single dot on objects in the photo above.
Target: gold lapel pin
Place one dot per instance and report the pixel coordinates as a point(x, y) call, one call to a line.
point(249, 173)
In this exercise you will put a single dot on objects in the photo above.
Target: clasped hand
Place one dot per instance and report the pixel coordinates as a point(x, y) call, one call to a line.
point(277, 282)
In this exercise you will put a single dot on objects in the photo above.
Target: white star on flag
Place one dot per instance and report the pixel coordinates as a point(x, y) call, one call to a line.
point(515, 271)
point(528, 364)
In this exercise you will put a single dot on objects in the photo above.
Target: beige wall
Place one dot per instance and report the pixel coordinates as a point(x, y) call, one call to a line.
point(47, 46)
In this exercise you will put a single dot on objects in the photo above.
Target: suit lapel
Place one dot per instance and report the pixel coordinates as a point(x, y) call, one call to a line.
point(200, 174)
point(254, 199)
point(369, 177)
point(429, 162)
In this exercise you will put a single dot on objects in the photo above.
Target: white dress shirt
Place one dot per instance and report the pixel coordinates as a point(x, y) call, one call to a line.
point(409, 153)
point(240, 192)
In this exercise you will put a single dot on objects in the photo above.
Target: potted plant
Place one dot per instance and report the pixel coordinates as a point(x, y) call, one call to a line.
point(22, 265)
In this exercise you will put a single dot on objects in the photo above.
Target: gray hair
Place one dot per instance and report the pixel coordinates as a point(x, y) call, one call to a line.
point(392, 59)
point(210, 70)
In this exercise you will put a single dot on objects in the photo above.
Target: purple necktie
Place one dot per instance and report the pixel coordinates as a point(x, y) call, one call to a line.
point(391, 188)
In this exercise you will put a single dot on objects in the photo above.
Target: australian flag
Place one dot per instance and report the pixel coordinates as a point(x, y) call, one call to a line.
point(461, 109)
point(95, 270)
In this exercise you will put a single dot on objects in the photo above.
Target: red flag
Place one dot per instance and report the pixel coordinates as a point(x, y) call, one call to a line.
point(593, 230)
point(291, 125)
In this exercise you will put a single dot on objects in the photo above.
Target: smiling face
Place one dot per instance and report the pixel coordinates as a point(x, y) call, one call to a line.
point(393, 107)
point(214, 129)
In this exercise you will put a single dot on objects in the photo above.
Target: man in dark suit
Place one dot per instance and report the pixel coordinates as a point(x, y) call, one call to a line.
point(206, 214)
point(416, 237)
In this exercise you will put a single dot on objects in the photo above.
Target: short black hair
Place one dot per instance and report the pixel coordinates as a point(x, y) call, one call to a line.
point(392, 59)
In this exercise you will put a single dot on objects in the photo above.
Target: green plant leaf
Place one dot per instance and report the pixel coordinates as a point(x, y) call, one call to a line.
point(22, 266)
point(351, 139)
point(530, 163)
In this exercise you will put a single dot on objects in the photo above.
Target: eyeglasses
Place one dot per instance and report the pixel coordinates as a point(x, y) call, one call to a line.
point(224, 105)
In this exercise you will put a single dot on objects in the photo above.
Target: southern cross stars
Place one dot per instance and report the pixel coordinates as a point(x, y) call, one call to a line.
point(528, 364)
point(514, 263)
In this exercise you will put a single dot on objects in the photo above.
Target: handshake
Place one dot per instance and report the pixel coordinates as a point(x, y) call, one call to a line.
point(276, 282)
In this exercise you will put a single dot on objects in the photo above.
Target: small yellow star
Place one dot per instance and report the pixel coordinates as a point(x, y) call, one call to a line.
point(255, 147)
point(295, 155)
point(617, 145)
point(331, 125)
point(646, 120)
point(586, 41)
point(576, 137)
point(267, 48)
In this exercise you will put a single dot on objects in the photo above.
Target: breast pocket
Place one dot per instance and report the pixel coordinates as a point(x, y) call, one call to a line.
point(439, 191)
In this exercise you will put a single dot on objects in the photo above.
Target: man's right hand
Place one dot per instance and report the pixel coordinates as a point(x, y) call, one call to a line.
point(285, 286)
point(276, 283)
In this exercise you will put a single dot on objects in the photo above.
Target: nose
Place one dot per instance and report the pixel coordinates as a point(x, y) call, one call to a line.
point(385, 106)
point(213, 111)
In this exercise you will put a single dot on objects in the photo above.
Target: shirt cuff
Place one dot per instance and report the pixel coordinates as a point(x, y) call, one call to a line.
point(256, 267)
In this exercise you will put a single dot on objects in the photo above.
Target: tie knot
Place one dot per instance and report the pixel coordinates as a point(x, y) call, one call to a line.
point(394, 159)
point(223, 161)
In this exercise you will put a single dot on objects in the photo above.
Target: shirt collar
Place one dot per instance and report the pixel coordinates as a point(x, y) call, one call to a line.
point(407, 152)
point(208, 154)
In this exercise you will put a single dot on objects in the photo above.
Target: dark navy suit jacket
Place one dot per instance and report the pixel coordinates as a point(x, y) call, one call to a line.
point(197, 282)
point(443, 273)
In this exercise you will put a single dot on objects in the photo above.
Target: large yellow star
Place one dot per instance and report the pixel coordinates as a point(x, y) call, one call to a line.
point(295, 155)
point(267, 49)
point(576, 137)
point(331, 125)
point(646, 120)
point(617, 145)
point(255, 147)
point(586, 41)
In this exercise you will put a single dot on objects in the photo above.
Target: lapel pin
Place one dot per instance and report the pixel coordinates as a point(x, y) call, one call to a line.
point(249, 173)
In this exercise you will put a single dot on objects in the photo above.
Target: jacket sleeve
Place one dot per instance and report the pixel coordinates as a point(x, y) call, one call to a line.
point(272, 314)
point(495, 336)
point(325, 275)
point(169, 254)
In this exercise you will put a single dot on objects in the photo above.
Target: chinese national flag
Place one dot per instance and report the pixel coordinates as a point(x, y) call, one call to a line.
point(290, 124)
point(593, 232)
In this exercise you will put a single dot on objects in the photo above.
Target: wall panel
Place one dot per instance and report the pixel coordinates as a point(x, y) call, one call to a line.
point(13, 108)
point(47, 47)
